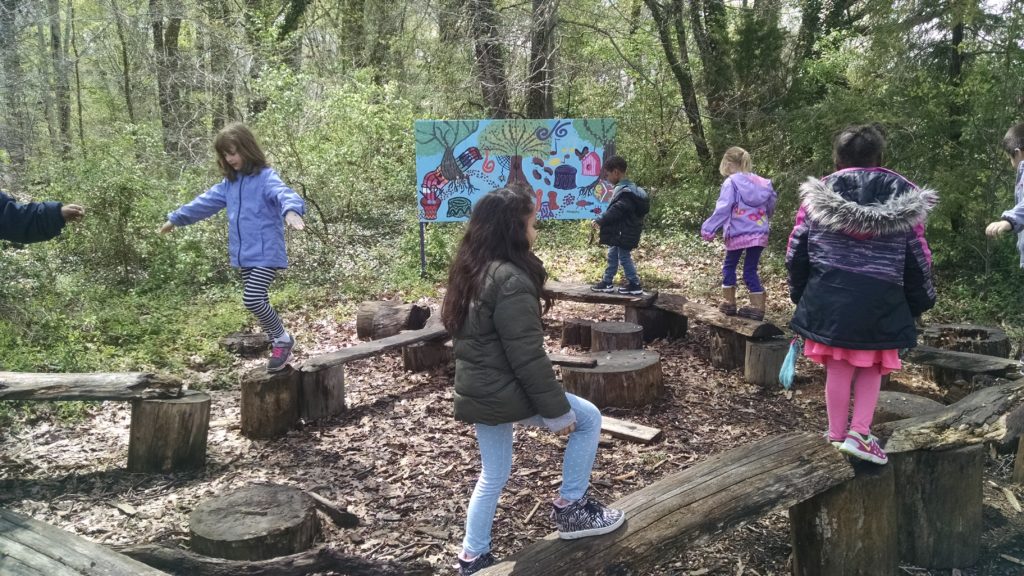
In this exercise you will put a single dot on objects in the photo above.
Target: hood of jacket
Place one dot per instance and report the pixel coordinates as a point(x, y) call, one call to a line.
point(866, 202)
point(753, 190)
point(643, 201)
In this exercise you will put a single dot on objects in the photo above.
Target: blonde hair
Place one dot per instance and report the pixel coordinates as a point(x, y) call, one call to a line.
point(237, 137)
point(735, 160)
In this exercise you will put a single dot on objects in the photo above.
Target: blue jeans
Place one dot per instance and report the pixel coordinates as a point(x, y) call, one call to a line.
point(616, 256)
point(496, 457)
point(750, 277)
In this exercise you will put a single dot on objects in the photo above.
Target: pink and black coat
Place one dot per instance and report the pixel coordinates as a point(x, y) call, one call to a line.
point(744, 209)
point(859, 266)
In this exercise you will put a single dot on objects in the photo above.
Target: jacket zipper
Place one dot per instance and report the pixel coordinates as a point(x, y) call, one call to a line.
point(238, 219)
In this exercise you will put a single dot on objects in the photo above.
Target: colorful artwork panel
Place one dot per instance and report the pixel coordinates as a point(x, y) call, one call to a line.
point(458, 161)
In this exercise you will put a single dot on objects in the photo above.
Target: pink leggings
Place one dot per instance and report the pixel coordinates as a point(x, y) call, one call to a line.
point(866, 383)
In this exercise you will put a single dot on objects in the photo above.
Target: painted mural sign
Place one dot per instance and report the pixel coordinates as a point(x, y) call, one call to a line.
point(458, 161)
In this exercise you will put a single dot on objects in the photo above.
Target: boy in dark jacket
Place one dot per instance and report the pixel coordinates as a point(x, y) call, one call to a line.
point(620, 227)
point(34, 221)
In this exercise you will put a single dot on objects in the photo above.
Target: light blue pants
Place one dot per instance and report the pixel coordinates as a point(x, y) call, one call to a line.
point(622, 256)
point(496, 457)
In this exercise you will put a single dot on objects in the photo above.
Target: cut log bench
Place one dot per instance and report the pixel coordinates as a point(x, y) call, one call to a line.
point(955, 372)
point(608, 336)
point(376, 320)
point(984, 340)
point(621, 378)
point(168, 425)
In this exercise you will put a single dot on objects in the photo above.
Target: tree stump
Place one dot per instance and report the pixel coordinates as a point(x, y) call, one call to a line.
point(376, 320)
point(657, 323)
point(1018, 463)
point(169, 435)
point(245, 344)
point(322, 393)
point(849, 530)
point(939, 505)
point(270, 402)
point(728, 348)
point(894, 406)
point(623, 378)
point(576, 332)
point(607, 336)
point(423, 356)
point(971, 338)
point(254, 523)
point(764, 360)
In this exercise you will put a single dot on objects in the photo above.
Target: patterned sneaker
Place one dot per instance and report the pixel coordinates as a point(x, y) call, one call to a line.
point(863, 447)
point(631, 288)
point(585, 517)
point(603, 286)
point(280, 355)
point(476, 564)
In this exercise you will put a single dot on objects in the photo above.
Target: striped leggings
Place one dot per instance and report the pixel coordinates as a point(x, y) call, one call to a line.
point(257, 300)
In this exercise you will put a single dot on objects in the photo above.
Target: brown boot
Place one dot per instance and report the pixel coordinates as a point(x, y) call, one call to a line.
point(756, 309)
point(728, 305)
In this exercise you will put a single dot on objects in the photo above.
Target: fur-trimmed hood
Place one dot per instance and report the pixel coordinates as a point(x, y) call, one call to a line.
point(866, 202)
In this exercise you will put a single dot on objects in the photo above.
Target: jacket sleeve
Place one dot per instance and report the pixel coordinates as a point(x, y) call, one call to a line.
point(517, 322)
point(202, 207)
point(29, 222)
point(770, 208)
point(917, 276)
point(723, 210)
point(286, 197)
point(616, 211)
point(798, 262)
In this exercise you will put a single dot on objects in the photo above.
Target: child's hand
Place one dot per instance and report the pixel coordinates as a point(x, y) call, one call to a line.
point(567, 430)
point(707, 237)
point(294, 220)
point(595, 225)
point(996, 228)
point(72, 212)
point(166, 228)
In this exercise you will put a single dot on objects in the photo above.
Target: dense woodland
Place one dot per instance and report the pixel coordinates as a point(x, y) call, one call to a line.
point(113, 103)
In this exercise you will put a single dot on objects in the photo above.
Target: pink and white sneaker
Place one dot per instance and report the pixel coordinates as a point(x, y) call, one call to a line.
point(863, 447)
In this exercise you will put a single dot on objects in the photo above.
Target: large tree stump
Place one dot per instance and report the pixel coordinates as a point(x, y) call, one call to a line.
point(764, 360)
point(607, 336)
point(657, 323)
point(376, 320)
point(169, 435)
point(894, 406)
point(728, 348)
point(971, 338)
point(423, 356)
point(321, 393)
point(939, 504)
point(576, 332)
point(624, 379)
point(254, 523)
point(246, 344)
point(270, 402)
point(849, 530)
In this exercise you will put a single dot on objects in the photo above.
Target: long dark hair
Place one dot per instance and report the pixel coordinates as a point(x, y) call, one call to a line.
point(237, 137)
point(496, 232)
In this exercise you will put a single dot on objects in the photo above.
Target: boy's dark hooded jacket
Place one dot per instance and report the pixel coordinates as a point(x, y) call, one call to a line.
point(30, 222)
point(623, 221)
point(857, 259)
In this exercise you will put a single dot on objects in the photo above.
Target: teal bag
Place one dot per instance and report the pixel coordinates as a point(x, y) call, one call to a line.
point(788, 370)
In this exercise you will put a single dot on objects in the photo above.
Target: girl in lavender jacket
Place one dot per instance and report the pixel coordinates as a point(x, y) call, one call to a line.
point(744, 209)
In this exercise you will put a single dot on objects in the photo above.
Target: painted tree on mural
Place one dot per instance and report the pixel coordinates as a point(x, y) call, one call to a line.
point(515, 139)
point(434, 137)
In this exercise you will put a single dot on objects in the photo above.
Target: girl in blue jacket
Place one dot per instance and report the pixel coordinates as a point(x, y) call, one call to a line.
point(258, 205)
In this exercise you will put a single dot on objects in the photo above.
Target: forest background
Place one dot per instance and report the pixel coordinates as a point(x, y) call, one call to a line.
point(113, 103)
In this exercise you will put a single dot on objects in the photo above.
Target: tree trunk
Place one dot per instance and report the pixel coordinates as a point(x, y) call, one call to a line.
point(169, 435)
point(424, 356)
point(623, 379)
point(376, 320)
point(321, 393)
point(78, 77)
point(126, 74)
point(62, 87)
point(540, 100)
point(165, 49)
point(764, 360)
point(353, 15)
point(894, 406)
point(87, 386)
point(46, 86)
point(576, 332)
point(711, 35)
point(490, 57)
point(287, 39)
point(728, 348)
point(657, 323)
point(607, 336)
point(15, 135)
point(270, 402)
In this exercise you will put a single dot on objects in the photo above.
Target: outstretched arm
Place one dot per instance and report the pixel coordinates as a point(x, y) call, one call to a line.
point(202, 207)
point(722, 213)
point(30, 222)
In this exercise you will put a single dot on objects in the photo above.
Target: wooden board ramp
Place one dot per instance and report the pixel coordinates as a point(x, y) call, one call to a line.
point(692, 507)
point(946, 366)
point(434, 330)
point(627, 430)
point(87, 386)
point(29, 547)
point(583, 293)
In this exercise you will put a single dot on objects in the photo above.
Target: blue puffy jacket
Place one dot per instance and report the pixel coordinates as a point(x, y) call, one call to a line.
point(256, 205)
point(31, 222)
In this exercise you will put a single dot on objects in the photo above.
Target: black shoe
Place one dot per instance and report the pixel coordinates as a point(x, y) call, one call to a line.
point(479, 563)
point(603, 286)
point(280, 355)
point(585, 517)
point(632, 289)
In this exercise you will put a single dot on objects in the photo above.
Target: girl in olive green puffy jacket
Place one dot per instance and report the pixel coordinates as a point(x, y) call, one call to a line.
point(503, 375)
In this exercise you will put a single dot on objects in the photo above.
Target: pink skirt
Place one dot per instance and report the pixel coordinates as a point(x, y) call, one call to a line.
point(886, 360)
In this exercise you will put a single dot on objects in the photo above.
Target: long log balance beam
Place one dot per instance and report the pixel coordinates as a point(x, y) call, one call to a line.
point(88, 386)
point(692, 507)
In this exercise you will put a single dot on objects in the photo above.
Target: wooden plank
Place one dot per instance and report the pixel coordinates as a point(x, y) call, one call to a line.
point(583, 293)
point(690, 508)
point(629, 430)
point(671, 302)
point(572, 361)
point(993, 414)
point(41, 546)
point(961, 361)
point(92, 386)
point(434, 330)
point(711, 315)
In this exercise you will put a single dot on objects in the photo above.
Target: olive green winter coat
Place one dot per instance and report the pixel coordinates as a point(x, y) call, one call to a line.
point(502, 373)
